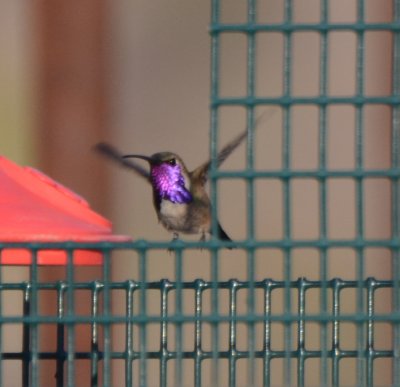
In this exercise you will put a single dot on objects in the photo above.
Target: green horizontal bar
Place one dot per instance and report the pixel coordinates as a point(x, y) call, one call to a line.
point(164, 284)
point(210, 318)
point(249, 28)
point(392, 173)
point(284, 101)
point(141, 244)
point(171, 355)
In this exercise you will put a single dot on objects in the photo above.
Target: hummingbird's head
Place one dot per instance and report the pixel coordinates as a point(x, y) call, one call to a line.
point(169, 176)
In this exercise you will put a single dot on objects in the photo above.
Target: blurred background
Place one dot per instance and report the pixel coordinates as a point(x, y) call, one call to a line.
point(137, 74)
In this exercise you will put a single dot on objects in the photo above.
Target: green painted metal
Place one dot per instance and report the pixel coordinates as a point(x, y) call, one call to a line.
point(99, 350)
point(295, 353)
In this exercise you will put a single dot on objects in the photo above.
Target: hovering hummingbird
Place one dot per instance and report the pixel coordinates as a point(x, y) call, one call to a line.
point(180, 199)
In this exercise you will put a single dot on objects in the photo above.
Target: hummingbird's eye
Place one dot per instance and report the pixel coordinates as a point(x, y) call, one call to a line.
point(172, 162)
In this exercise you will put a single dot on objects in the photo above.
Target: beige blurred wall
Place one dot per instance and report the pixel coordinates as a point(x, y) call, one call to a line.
point(17, 138)
point(17, 102)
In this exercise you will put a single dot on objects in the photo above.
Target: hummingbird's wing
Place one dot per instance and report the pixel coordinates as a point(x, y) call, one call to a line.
point(113, 154)
point(201, 172)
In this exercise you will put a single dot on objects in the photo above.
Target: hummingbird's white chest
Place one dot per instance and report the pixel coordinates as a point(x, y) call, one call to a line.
point(173, 215)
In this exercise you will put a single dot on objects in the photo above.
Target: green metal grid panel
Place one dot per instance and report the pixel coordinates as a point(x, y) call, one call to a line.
point(215, 358)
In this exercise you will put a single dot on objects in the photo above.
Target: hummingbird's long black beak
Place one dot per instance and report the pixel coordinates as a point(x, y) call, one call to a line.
point(147, 158)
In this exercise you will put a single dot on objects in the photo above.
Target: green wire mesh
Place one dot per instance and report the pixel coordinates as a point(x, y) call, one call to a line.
point(264, 352)
point(236, 332)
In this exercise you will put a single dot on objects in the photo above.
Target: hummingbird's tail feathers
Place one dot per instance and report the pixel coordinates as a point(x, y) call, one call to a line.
point(223, 236)
point(113, 154)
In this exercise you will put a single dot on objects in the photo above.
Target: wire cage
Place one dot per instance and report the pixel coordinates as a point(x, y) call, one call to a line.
point(318, 329)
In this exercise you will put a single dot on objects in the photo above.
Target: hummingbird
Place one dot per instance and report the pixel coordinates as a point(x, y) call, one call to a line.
point(179, 195)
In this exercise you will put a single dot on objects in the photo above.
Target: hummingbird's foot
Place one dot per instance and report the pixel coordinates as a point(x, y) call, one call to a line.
point(175, 237)
point(202, 239)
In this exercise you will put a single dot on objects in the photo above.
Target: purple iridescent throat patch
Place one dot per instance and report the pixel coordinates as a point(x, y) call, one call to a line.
point(169, 183)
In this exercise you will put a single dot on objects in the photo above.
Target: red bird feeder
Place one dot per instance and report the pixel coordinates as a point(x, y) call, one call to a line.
point(35, 208)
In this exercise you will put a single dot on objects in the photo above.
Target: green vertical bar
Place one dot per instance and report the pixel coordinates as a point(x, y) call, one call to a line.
point(33, 325)
point(198, 351)
point(301, 332)
point(143, 315)
point(287, 80)
point(233, 287)
point(70, 315)
point(323, 220)
point(129, 353)
point(165, 286)
point(215, 52)
point(251, 74)
point(107, 315)
point(371, 286)
point(267, 333)
point(396, 193)
point(336, 354)
point(360, 78)
point(178, 312)
point(60, 372)
point(94, 348)
point(26, 334)
point(215, 70)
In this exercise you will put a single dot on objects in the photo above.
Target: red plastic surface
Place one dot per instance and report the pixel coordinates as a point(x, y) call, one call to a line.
point(35, 208)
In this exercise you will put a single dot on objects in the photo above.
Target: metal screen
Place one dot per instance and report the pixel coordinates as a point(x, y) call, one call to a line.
point(323, 331)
